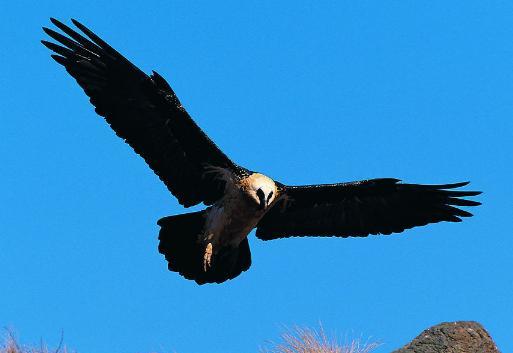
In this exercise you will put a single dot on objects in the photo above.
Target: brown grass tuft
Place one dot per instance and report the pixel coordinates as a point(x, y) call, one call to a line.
point(306, 340)
point(11, 345)
point(296, 340)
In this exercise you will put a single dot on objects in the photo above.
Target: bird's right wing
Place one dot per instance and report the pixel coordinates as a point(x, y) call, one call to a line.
point(377, 206)
point(145, 112)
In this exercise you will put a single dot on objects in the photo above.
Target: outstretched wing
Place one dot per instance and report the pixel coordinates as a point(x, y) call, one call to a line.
point(145, 112)
point(377, 206)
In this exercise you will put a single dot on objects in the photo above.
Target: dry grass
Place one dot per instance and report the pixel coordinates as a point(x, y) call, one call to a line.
point(11, 345)
point(306, 340)
point(296, 340)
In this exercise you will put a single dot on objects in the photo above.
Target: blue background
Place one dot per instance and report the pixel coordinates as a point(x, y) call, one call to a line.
point(306, 92)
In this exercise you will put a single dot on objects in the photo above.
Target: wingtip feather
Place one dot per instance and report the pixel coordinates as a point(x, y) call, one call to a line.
point(84, 29)
point(97, 40)
point(55, 21)
point(76, 23)
point(56, 48)
point(60, 59)
point(456, 185)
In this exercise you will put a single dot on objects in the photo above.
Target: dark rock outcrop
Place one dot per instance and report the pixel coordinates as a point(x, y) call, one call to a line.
point(452, 337)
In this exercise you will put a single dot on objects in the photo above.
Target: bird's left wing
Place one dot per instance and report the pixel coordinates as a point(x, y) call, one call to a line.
point(145, 112)
point(377, 206)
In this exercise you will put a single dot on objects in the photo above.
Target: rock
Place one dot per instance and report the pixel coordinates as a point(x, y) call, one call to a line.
point(452, 337)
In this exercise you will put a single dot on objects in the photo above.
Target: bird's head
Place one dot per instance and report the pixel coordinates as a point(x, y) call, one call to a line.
point(260, 189)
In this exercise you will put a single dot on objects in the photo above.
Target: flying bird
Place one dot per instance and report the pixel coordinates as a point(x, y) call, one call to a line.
point(211, 246)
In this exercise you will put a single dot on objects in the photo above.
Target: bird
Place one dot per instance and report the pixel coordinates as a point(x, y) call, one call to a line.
point(211, 245)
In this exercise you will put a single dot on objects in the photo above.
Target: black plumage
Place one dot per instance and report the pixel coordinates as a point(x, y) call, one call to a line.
point(145, 112)
point(185, 255)
point(377, 206)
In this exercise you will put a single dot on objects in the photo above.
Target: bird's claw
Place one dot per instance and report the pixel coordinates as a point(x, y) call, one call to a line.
point(207, 257)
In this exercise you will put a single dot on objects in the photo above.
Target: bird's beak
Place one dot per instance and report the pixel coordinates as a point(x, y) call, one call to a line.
point(263, 203)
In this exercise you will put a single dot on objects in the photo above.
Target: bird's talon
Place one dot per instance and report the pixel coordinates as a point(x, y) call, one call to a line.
point(207, 257)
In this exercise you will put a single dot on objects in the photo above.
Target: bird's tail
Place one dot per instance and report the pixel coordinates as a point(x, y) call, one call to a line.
point(180, 241)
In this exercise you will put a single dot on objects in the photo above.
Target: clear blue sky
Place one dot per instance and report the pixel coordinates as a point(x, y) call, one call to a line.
point(305, 92)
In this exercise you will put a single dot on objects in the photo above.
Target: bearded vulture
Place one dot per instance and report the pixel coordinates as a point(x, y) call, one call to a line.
point(211, 246)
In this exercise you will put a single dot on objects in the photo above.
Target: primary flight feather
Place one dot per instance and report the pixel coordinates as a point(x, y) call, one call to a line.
point(211, 245)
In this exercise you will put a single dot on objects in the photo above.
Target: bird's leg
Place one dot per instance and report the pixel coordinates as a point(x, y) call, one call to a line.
point(209, 239)
point(208, 243)
point(207, 257)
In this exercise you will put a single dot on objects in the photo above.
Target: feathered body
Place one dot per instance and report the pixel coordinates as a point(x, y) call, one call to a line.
point(229, 221)
point(224, 227)
point(212, 245)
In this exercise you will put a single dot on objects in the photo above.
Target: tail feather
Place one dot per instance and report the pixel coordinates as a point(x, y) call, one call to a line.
point(180, 243)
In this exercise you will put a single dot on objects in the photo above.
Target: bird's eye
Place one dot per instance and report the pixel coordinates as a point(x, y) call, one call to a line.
point(260, 194)
point(270, 195)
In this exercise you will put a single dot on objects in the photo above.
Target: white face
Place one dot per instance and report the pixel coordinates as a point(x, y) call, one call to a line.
point(261, 189)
